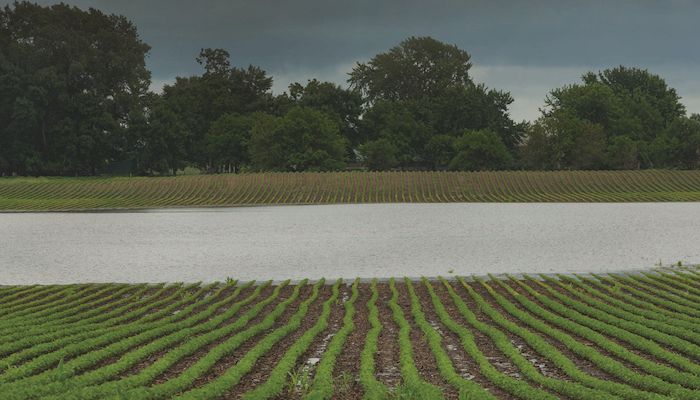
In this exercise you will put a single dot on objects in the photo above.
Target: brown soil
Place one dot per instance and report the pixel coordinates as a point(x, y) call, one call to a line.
point(583, 364)
point(265, 364)
point(584, 340)
point(309, 360)
point(543, 365)
point(188, 361)
point(155, 356)
point(346, 374)
point(387, 369)
point(422, 355)
point(113, 359)
point(148, 311)
point(462, 361)
point(387, 358)
point(622, 343)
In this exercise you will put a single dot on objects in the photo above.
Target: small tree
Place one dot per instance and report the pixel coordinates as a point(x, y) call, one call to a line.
point(480, 150)
point(440, 150)
point(161, 147)
point(302, 140)
point(379, 154)
point(227, 142)
point(622, 153)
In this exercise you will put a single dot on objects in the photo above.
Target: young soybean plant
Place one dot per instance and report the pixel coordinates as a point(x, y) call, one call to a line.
point(323, 387)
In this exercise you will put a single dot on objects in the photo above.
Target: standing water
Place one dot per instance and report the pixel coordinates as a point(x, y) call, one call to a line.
point(367, 240)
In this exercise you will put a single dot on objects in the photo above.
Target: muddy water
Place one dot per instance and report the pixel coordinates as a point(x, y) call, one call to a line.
point(368, 240)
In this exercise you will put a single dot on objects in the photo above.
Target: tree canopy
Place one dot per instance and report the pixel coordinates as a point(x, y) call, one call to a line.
point(619, 118)
point(71, 81)
point(418, 67)
point(74, 100)
point(303, 139)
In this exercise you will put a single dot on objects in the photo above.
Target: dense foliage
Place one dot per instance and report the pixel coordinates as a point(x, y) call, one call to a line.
point(620, 118)
point(74, 100)
point(71, 84)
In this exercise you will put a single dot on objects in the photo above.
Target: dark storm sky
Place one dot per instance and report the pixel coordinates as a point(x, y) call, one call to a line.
point(525, 47)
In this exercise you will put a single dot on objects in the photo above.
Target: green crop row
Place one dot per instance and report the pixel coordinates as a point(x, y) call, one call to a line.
point(232, 376)
point(323, 386)
point(348, 187)
point(614, 336)
point(278, 377)
point(412, 381)
point(135, 384)
point(515, 387)
point(661, 379)
point(374, 389)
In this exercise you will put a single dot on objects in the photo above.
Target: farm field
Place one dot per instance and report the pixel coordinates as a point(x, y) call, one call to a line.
point(57, 194)
point(532, 337)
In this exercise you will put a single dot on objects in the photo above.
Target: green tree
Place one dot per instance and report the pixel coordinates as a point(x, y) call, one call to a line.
point(679, 145)
point(539, 150)
point(416, 68)
point(622, 153)
point(202, 100)
point(227, 142)
point(480, 150)
point(472, 107)
point(427, 83)
point(161, 143)
point(343, 105)
point(395, 122)
point(645, 95)
point(440, 151)
point(379, 155)
point(303, 139)
point(70, 81)
point(628, 109)
point(561, 140)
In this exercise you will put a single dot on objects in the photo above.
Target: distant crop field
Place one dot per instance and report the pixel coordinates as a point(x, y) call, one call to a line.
point(585, 337)
point(47, 194)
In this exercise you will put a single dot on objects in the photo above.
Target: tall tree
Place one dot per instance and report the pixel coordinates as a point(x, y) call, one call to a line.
point(618, 118)
point(429, 82)
point(227, 141)
point(71, 80)
point(645, 95)
point(161, 142)
point(221, 89)
point(416, 68)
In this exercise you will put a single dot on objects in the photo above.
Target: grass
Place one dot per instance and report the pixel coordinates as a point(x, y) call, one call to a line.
point(614, 336)
point(57, 194)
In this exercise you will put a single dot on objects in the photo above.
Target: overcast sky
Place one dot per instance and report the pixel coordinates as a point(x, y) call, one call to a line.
point(525, 47)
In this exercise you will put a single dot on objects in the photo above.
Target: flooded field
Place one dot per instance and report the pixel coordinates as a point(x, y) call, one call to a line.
point(367, 240)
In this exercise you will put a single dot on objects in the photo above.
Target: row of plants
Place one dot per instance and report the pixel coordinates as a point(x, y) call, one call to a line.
point(543, 347)
point(168, 342)
point(89, 352)
point(631, 336)
point(658, 377)
point(350, 187)
point(137, 384)
point(30, 342)
point(374, 389)
point(323, 385)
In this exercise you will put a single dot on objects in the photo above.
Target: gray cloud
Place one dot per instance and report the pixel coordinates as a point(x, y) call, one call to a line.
point(526, 48)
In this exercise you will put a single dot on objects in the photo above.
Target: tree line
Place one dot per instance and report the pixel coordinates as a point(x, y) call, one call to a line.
point(74, 100)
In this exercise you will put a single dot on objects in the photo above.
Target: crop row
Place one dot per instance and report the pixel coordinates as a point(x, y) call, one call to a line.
point(614, 336)
point(26, 194)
